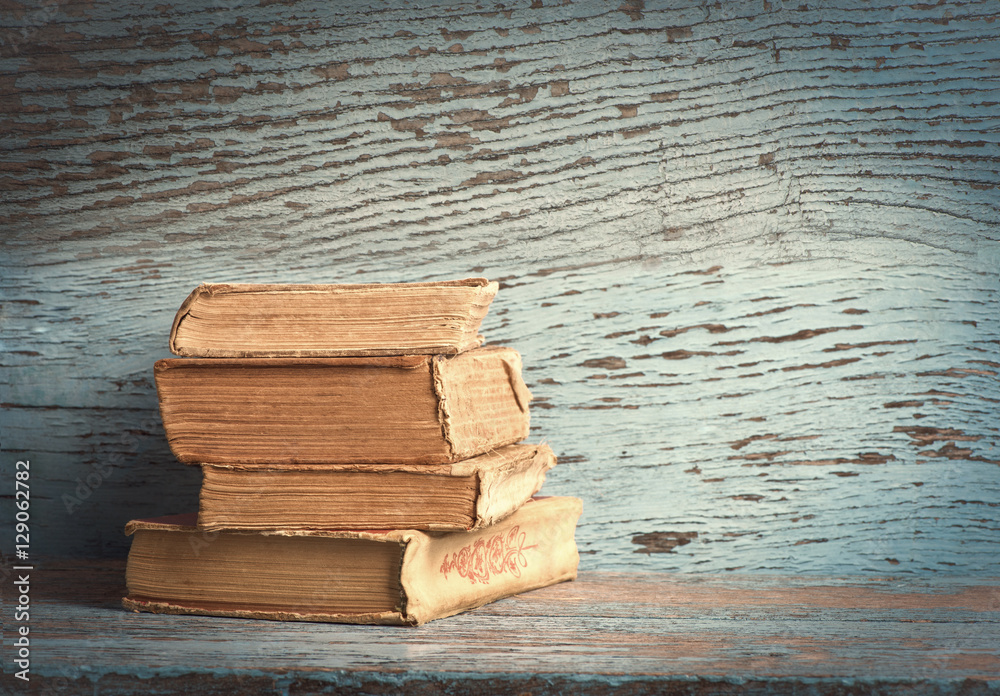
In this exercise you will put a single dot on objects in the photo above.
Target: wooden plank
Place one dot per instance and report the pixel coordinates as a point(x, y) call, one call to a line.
point(605, 631)
point(776, 225)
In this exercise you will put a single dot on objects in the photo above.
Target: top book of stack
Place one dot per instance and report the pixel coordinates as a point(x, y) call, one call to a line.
point(295, 321)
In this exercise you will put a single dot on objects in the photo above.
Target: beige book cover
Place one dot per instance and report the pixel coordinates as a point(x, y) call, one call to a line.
point(243, 320)
point(420, 409)
point(466, 495)
point(403, 577)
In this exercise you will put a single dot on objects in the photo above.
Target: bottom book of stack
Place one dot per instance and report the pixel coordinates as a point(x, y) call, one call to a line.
point(405, 577)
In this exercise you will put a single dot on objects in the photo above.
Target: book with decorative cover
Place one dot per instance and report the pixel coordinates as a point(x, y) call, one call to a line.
point(245, 320)
point(421, 409)
point(466, 495)
point(403, 577)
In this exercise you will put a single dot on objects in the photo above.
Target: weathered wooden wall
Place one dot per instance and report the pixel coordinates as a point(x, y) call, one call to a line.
point(749, 250)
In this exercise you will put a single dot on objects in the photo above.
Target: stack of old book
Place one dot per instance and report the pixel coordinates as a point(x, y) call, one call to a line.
point(359, 454)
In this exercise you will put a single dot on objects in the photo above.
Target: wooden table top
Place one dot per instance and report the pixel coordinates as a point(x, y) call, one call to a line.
point(603, 633)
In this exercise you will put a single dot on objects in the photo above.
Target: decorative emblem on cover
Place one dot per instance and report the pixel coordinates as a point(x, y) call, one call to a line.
point(487, 558)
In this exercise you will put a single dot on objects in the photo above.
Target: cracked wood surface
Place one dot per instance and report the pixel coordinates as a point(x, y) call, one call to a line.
point(748, 250)
point(603, 633)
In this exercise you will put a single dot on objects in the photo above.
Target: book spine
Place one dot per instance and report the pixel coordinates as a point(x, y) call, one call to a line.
point(445, 574)
point(504, 489)
point(482, 400)
point(181, 314)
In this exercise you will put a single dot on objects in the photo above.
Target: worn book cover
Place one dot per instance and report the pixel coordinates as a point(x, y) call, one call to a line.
point(243, 320)
point(404, 577)
point(417, 409)
point(466, 495)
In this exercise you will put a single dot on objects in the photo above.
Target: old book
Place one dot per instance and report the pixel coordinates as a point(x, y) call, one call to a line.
point(466, 495)
point(288, 320)
point(416, 409)
point(394, 577)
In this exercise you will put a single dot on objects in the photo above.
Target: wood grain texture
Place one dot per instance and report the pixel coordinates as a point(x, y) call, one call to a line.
point(605, 633)
point(748, 250)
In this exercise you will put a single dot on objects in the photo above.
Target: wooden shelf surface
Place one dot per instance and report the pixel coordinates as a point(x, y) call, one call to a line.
point(606, 633)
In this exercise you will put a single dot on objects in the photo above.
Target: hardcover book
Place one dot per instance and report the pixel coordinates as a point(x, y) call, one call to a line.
point(466, 495)
point(362, 410)
point(403, 577)
point(289, 320)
